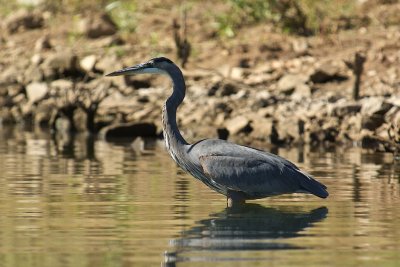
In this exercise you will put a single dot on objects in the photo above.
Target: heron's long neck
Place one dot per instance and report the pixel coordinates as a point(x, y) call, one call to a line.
point(173, 139)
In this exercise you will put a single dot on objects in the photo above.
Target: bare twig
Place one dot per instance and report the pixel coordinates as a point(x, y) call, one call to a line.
point(182, 44)
point(357, 67)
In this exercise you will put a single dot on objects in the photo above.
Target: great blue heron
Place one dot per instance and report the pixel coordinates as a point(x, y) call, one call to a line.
point(238, 172)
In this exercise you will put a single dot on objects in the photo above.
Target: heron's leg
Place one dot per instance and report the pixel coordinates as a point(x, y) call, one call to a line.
point(235, 198)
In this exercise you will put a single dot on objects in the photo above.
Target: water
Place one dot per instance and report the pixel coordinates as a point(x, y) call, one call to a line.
point(91, 203)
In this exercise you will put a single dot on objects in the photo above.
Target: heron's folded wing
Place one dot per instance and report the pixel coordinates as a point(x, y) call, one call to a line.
point(253, 176)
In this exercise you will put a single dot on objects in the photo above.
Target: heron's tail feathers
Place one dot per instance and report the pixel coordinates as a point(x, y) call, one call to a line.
point(313, 186)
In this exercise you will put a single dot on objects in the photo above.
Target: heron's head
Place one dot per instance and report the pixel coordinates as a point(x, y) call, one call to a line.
point(158, 65)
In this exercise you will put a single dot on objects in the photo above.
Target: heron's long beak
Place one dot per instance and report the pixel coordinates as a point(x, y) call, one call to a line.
point(137, 69)
point(147, 67)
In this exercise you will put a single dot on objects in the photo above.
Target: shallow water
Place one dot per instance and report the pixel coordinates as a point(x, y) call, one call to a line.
point(89, 203)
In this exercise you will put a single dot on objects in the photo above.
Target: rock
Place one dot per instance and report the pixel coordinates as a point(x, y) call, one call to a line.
point(97, 25)
point(264, 99)
point(108, 64)
point(128, 131)
point(61, 64)
point(330, 130)
point(3, 101)
point(30, 2)
point(254, 79)
point(43, 43)
point(351, 126)
point(393, 115)
point(113, 40)
point(300, 45)
point(221, 88)
point(18, 99)
point(262, 128)
point(44, 112)
point(237, 73)
point(301, 91)
point(6, 116)
point(227, 89)
point(36, 60)
point(376, 143)
point(223, 133)
point(61, 125)
point(219, 120)
point(80, 119)
point(222, 107)
point(196, 116)
point(327, 73)
point(63, 61)
point(273, 46)
point(289, 130)
point(10, 75)
point(137, 82)
point(14, 89)
point(375, 106)
point(245, 63)
point(62, 85)
point(289, 82)
point(27, 110)
point(238, 125)
point(87, 63)
point(343, 108)
point(36, 91)
point(23, 19)
point(372, 122)
point(33, 74)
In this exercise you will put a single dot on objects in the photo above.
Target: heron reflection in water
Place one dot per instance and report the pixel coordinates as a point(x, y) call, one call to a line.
point(238, 172)
point(250, 227)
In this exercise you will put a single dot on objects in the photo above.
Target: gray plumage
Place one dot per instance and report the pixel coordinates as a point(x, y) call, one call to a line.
point(238, 172)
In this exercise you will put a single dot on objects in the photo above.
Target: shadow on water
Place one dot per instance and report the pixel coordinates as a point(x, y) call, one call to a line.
point(248, 228)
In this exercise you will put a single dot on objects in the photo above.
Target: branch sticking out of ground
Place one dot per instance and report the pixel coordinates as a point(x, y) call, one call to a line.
point(357, 67)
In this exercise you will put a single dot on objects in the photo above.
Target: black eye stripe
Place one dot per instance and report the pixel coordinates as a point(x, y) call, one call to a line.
point(161, 59)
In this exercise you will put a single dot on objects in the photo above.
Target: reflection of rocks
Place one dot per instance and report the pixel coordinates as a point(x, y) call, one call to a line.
point(251, 227)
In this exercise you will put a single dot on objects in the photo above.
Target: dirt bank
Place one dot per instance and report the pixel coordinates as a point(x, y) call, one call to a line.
point(262, 85)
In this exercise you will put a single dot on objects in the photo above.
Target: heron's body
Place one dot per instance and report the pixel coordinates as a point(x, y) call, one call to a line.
point(238, 172)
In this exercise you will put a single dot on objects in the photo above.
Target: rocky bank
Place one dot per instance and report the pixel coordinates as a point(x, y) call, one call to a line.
point(283, 90)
